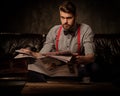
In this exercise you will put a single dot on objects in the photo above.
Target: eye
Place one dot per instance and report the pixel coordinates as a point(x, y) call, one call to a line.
point(62, 17)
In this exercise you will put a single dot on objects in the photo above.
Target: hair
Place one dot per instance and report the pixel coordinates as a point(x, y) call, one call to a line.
point(68, 7)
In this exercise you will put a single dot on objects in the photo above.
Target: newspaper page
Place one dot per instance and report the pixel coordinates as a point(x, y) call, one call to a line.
point(62, 58)
point(47, 65)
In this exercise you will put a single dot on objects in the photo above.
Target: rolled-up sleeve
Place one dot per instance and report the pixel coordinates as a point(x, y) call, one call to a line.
point(88, 42)
point(49, 44)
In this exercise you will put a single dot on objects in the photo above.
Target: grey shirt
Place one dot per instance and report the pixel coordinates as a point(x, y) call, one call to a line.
point(69, 43)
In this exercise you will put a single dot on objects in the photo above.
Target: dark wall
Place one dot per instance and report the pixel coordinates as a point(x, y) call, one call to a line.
point(38, 16)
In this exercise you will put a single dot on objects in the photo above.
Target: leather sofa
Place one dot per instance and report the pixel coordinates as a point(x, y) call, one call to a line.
point(11, 70)
point(13, 73)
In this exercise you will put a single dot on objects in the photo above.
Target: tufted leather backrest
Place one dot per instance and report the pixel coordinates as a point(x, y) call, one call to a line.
point(106, 44)
point(10, 42)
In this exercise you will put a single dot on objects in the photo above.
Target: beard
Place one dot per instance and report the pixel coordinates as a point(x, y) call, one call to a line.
point(66, 26)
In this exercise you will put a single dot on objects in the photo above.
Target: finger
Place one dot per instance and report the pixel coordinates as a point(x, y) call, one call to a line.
point(74, 54)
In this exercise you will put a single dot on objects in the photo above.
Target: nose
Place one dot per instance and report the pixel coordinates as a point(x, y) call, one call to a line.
point(65, 20)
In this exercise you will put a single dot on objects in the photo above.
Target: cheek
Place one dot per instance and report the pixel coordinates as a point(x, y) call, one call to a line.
point(62, 21)
point(71, 22)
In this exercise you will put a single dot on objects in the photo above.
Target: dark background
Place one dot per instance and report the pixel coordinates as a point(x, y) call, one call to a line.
point(38, 16)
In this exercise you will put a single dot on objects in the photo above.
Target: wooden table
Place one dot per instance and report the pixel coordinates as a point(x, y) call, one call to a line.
point(67, 88)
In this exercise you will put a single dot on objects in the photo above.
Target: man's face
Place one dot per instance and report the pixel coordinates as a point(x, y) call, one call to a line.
point(67, 20)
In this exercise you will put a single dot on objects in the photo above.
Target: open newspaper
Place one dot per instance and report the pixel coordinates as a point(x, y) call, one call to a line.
point(47, 65)
point(63, 57)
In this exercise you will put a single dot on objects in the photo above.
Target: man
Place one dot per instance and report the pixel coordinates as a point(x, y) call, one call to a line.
point(70, 36)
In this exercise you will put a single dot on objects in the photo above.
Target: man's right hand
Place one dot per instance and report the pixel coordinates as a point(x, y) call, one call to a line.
point(24, 51)
point(29, 52)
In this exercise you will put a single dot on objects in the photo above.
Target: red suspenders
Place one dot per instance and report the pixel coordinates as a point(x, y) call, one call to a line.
point(58, 36)
point(78, 39)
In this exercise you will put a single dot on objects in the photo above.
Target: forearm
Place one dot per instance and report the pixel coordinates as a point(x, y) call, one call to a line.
point(85, 59)
point(36, 54)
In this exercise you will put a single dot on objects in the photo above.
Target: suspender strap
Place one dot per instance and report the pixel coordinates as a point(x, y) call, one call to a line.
point(58, 36)
point(78, 39)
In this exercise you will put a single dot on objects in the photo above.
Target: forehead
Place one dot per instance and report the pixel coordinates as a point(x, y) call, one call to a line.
point(64, 14)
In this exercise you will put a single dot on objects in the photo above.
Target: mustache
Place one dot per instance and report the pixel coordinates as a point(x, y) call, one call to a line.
point(66, 24)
